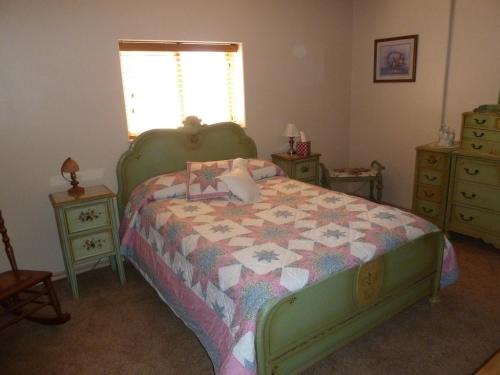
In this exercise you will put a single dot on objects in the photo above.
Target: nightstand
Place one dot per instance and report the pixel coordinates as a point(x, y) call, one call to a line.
point(88, 229)
point(303, 168)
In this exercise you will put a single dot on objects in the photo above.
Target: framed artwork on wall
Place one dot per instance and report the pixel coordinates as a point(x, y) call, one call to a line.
point(395, 59)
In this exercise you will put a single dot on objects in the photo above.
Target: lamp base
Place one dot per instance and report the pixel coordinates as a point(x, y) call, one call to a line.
point(291, 151)
point(76, 191)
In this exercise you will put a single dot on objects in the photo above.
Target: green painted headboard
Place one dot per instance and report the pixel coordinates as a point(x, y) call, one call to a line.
point(162, 151)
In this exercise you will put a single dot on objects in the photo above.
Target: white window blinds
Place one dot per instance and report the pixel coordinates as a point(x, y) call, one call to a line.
point(165, 82)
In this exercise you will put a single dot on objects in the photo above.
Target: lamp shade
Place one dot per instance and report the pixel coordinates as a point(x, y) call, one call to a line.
point(69, 166)
point(291, 131)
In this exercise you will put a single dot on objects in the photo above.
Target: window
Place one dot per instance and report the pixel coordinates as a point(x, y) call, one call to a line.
point(164, 82)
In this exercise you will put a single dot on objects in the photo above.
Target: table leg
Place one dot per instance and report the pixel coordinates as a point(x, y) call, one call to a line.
point(379, 187)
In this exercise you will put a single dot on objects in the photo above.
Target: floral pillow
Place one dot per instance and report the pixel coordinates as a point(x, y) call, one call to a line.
point(260, 169)
point(203, 182)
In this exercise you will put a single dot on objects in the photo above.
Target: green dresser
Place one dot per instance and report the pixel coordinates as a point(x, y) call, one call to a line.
point(432, 170)
point(88, 229)
point(474, 193)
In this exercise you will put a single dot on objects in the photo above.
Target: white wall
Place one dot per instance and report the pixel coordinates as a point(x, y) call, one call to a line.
point(388, 120)
point(61, 89)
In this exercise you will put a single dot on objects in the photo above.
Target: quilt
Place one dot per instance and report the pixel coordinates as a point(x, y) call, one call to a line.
point(215, 262)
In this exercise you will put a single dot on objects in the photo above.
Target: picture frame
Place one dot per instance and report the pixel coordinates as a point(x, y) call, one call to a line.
point(395, 59)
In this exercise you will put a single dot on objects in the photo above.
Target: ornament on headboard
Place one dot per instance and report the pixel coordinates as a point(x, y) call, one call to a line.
point(446, 136)
point(192, 122)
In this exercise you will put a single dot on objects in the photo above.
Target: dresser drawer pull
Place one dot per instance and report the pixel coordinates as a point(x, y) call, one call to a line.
point(476, 147)
point(431, 160)
point(305, 168)
point(477, 134)
point(89, 215)
point(468, 196)
point(480, 122)
point(428, 194)
point(462, 216)
point(430, 178)
point(472, 173)
point(93, 244)
point(427, 210)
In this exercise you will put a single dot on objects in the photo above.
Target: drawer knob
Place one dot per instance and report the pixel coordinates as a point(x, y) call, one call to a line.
point(462, 216)
point(479, 121)
point(431, 160)
point(430, 178)
point(428, 194)
point(476, 147)
point(89, 215)
point(93, 244)
point(477, 134)
point(427, 210)
point(305, 168)
point(470, 172)
point(468, 196)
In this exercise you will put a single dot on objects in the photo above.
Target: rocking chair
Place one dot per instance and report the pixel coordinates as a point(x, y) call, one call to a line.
point(19, 295)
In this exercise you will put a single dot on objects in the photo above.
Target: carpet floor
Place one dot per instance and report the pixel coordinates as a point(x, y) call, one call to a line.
point(129, 330)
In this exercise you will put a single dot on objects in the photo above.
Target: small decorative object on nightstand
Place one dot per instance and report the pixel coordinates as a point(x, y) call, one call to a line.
point(303, 168)
point(88, 229)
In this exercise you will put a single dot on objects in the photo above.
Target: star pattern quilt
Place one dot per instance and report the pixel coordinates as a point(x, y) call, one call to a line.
point(216, 261)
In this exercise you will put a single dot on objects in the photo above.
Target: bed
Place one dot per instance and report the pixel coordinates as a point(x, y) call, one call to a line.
point(273, 286)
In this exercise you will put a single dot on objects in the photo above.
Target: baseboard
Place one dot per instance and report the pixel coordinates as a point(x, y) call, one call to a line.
point(83, 267)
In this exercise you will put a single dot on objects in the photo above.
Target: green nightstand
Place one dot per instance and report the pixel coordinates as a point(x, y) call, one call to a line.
point(88, 229)
point(303, 168)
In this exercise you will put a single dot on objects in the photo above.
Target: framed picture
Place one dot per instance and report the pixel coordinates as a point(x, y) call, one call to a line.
point(395, 59)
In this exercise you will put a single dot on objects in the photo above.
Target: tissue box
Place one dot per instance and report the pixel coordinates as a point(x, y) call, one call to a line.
point(303, 148)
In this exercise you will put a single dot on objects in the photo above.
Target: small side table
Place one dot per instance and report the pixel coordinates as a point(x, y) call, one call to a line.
point(373, 175)
point(88, 229)
point(303, 168)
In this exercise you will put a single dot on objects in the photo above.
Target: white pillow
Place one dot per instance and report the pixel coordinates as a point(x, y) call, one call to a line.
point(240, 183)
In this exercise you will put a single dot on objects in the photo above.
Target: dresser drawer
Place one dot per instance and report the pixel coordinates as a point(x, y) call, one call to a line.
point(305, 169)
point(428, 176)
point(478, 171)
point(482, 120)
point(477, 195)
point(429, 193)
point(428, 209)
point(92, 245)
point(481, 134)
point(85, 217)
point(475, 217)
point(484, 147)
point(434, 160)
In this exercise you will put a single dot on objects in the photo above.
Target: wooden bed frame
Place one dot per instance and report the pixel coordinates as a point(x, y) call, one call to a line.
point(300, 329)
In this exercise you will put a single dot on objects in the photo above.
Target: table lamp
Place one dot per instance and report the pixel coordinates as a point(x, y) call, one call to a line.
point(291, 132)
point(70, 166)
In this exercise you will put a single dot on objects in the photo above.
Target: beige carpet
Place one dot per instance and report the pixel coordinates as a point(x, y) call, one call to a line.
point(128, 330)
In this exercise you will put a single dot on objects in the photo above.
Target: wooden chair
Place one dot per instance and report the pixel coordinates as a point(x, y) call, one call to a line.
point(21, 296)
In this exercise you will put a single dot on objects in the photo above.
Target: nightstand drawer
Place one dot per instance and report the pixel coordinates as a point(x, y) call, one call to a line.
point(92, 245)
point(429, 193)
point(87, 217)
point(475, 218)
point(478, 171)
point(483, 121)
point(305, 169)
point(428, 176)
point(431, 160)
point(426, 208)
point(477, 195)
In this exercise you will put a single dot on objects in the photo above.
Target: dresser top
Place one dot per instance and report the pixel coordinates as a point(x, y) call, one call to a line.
point(437, 148)
point(91, 193)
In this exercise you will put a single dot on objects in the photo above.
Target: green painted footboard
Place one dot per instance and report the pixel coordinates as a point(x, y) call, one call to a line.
point(294, 332)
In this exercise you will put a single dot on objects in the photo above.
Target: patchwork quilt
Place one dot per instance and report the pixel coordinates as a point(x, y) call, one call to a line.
point(215, 262)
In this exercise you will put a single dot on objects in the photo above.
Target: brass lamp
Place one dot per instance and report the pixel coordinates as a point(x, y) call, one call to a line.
point(291, 132)
point(70, 166)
